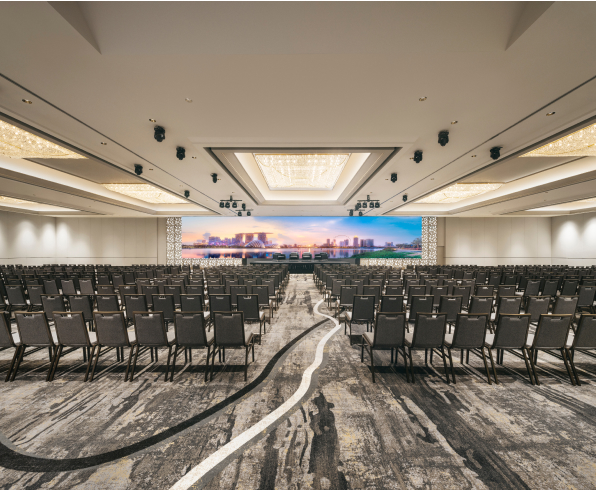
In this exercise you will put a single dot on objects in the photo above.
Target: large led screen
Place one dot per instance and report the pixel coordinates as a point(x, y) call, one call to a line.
point(260, 237)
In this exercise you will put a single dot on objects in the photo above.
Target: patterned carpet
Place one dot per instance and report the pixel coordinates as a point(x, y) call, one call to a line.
point(346, 432)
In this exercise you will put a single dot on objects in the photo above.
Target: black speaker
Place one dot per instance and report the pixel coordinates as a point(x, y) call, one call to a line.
point(244, 261)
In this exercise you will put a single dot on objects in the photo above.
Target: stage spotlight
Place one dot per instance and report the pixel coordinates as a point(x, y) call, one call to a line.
point(495, 152)
point(228, 205)
point(138, 169)
point(368, 198)
point(377, 204)
point(214, 178)
point(239, 213)
point(159, 134)
point(221, 204)
point(248, 213)
point(234, 205)
point(405, 198)
point(180, 153)
point(393, 177)
point(418, 155)
point(351, 213)
point(360, 213)
point(443, 138)
point(357, 206)
point(364, 205)
point(186, 194)
point(243, 207)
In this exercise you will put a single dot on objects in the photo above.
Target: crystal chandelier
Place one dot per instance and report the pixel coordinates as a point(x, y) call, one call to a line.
point(318, 171)
point(11, 200)
point(145, 192)
point(18, 143)
point(582, 143)
point(458, 192)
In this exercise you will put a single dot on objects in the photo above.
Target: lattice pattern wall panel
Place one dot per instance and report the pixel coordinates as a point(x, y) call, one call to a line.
point(429, 248)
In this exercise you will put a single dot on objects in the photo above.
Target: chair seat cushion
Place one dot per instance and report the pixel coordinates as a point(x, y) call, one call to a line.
point(348, 315)
point(408, 338)
point(530, 341)
point(210, 336)
point(132, 338)
point(247, 337)
point(206, 314)
point(171, 336)
point(489, 340)
point(16, 338)
point(368, 337)
point(261, 315)
point(448, 339)
point(93, 338)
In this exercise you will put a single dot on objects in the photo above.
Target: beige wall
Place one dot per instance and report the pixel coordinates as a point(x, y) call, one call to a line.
point(494, 241)
point(27, 239)
point(574, 239)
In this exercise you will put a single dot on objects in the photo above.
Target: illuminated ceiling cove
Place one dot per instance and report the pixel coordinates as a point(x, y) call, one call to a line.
point(301, 171)
point(145, 192)
point(582, 143)
point(458, 192)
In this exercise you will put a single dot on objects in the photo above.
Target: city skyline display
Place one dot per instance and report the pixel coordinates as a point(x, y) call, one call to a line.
point(340, 237)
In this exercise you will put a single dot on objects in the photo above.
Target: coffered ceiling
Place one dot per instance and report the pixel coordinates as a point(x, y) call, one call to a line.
point(226, 81)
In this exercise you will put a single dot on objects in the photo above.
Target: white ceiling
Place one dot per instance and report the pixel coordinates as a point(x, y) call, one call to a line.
point(299, 75)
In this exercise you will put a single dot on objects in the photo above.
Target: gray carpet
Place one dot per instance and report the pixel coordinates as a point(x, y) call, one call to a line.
point(347, 433)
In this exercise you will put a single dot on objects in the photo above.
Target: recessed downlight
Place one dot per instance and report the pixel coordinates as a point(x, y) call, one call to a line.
point(103, 143)
point(195, 158)
point(152, 120)
point(27, 101)
point(453, 122)
point(550, 113)
point(188, 100)
point(473, 156)
point(422, 99)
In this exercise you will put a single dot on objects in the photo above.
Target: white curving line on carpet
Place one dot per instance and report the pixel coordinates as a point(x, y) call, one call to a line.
point(199, 471)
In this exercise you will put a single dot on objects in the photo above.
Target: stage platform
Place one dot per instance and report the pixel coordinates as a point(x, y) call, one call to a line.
point(300, 266)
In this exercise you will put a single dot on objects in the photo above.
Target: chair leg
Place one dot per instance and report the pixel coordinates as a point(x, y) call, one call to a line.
point(54, 366)
point(207, 362)
point(174, 363)
point(253, 351)
point(168, 363)
point(529, 366)
point(570, 357)
point(372, 363)
point(485, 365)
point(411, 365)
point(492, 362)
point(134, 362)
point(451, 365)
point(246, 362)
point(405, 364)
point(90, 356)
point(95, 362)
point(14, 358)
point(564, 354)
point(151, 349)
point(362, 352)
point(444, 363)
point(426, 357)
point(468, 356)
point(129, 363)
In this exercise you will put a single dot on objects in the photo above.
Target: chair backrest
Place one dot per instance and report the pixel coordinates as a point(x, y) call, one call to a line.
point(82, 303)
point(134, 302)
point(420, 304)
point(374, 290)
point(392, 303)
point(552, 332)
point(336, 287)
point(270, 283)
point(71, 329)
point(33, 329)
point(569, 287)
point(415, 291)
point(346, 295)
point(105, 289)
point(229, 329)
point(565, 305)
point(393, 290)
point(532, 288)
point(263, 293)
point(68, 287)
point(363, 308)
point(195, 289)
point(585, 335)
point(249, 305)
point(52, 303)
point(220, 302)
point(111, 328)
point(506, 291)
point(6, 339)
point(50, 286)
point(35, 293)
point(470, 331)
point(165, 304)
point(174, 290)
point(235, 291)
point(510, 305)
point(150, 328)
point(190, 329)
point(481, 305)
point(512, 331)
point(107, 302)
point(537, 305)
point(484, 291)
point(191, 302)
point(86, 286)
point(438, 292)
point(125, 289)
point(429, 330)
point(390, 329)
point(451, 305)
point(16, 295)
point(585, 296)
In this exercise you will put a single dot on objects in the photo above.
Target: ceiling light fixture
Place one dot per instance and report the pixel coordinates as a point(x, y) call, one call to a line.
point(458, 192)
point(188, 100)
point(27, 101)
point(17, 143)
point(152, 120)
point(422, 99)
point(581, 143)
point(592, 199)
point(297, 171)
point(550, 113)
point(11, 200)
point(473, 156)
point(453, 122)
point(103, 143)
point(145, 192)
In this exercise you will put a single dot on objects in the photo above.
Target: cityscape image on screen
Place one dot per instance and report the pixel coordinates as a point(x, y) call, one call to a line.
point(339, 237)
